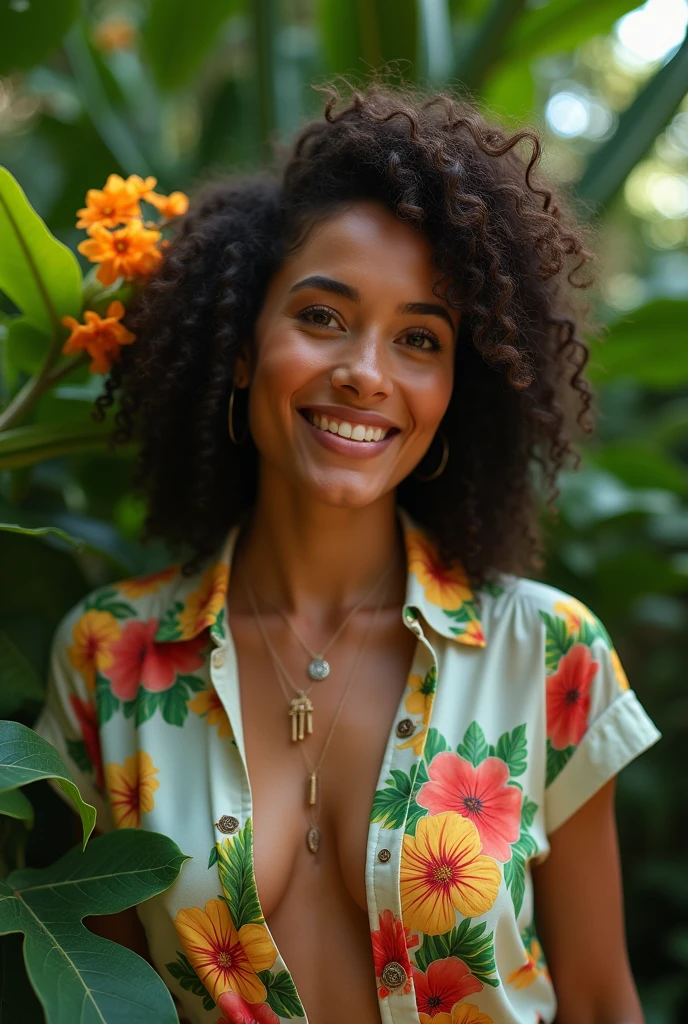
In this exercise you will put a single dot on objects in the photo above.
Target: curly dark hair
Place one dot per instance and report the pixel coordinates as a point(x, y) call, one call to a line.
point(511, 252)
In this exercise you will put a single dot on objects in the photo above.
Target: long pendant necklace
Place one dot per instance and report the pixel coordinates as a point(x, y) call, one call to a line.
point(301, 706)
point(312, 788)
point(318, 668)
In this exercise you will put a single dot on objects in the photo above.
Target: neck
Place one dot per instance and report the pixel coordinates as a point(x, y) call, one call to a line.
point(316, 560)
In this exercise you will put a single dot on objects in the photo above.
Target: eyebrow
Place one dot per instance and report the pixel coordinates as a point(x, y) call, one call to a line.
point(347, 291)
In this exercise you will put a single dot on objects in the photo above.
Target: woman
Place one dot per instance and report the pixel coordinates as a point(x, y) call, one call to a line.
point(342, 375)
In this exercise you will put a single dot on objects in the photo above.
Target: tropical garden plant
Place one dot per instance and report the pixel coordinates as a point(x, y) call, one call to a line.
point(106, 98)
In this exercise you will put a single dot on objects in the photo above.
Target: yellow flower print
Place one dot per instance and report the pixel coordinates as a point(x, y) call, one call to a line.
point(619, 672)
point(208, 703)
point(442, 871)
point(139, 586)
point(526, 975)
point(203, 605)
point(418, 702)
point(226, 960)
point(575, 613)
point(131, 787)
point(444, 585)
point(462, 1013)
point(93, 635)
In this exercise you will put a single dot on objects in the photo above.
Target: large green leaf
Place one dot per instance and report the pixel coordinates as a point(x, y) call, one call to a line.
point(647, 346)
point(25, 347)
point(30, 31)
point(25, 446)
point(642, 464)
point(639, 126)
point(26, 757)
point(14, 804)
point(79, 976)
point(363, 35)
point(561, 26)
point(39, 274)
point(20, 684)
point(175, 44)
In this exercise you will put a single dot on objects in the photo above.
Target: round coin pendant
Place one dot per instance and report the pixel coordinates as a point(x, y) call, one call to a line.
point(318, 669)
point(313, 839)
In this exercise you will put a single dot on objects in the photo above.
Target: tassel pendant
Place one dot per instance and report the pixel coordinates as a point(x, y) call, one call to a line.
point(301, 714)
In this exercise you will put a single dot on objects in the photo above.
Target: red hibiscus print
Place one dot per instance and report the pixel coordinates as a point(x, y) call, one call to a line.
point(85, 711)
point(568, 697)
point(137, 659)
point(480, 794)
point(390, 944)
point(445, 983)
point(237, 1011)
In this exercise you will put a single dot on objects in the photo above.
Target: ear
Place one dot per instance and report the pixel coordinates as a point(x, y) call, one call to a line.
point(242, 367)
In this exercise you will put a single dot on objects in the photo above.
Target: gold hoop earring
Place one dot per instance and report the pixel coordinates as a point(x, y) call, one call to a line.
point(232, 436)
point(443, 461)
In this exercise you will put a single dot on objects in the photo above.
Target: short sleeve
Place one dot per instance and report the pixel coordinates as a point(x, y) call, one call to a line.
point(69, 719)
point(595, 723)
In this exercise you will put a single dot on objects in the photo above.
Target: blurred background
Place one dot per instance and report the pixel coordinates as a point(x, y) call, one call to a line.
point(177, 89)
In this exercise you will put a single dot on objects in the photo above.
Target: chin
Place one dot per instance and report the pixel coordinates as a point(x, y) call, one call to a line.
point(347, 490)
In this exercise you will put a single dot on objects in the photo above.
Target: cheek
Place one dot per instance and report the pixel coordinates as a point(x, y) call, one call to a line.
point(428, 397)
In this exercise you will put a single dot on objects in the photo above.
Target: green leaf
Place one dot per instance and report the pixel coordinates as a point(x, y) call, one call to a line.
point(182, 970)
point(558, 641)
point(515, 879)
point(642, 463)
point(646, 346)
point(235, 866)
point(282, 996)
point(173, 702)
point(474, 746)
point(25, 446)
point(435, 743)
point(77, 975)
point(556, 759)
point(79, 755)
point(469, 944)
point(356, 36)
point(212, 859)
point(390, 803)
point(26, 347)
point(38, 273)
point(26, 757)
point(528, 811)
point(638, 127)
point(561, 27)
point(145, 704)
point(42, 531)
point(20, 684)
point(14, 804)
point(513, 748)
point(108, 600)
point(168, 627)
point(175, 45)
point(30, 32)
point(106, 702)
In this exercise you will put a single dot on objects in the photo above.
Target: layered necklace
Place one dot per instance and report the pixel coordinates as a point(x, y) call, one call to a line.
point(301, 706)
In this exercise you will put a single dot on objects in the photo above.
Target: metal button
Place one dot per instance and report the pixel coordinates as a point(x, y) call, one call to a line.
point(405, 728)
point(393, 975)
point(218, 658)
point(227, 824)
point(410, 615)
point(384, 856)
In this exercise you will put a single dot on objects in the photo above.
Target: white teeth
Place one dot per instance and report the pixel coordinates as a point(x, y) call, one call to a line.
point(355, 432)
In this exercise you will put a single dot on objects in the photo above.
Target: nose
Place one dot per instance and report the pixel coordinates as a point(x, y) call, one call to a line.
point(364, 371)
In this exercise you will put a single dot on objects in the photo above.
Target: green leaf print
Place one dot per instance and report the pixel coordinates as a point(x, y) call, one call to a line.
point(558, 642)
point(469, 944)
point(145, 704)
point(172, 702)
point(515, 869)
point(556, 759)
point(217, 630)
point(282, 996)
point(513, 748)
point(474, 746)
point(492, 588)
point(212, 858)
point(182, 970)
point(528, 809)
point(435, 743)
point(168, 627)
point(235, 866)
point(77, 752)
point(106, 702)
point(390, 805)
point(109, 601)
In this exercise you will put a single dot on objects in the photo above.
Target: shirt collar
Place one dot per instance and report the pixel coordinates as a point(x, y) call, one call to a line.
point(439, 593)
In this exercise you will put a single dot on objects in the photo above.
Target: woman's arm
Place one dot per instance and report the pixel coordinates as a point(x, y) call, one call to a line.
point(580, 918)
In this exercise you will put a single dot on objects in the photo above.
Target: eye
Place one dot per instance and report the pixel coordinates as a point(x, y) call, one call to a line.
point(421, 336)
point(321, 311)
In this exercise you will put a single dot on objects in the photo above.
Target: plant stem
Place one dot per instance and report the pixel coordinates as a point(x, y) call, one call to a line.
point(27, 397)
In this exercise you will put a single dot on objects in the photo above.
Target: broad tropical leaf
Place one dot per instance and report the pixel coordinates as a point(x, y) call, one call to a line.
point(469, 944)
point(79, 976)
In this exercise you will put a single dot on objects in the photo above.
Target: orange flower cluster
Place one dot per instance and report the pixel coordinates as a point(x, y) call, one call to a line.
point(119, 240)
point(124, 247)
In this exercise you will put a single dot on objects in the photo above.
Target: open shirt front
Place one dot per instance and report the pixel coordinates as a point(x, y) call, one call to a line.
point(516, 711)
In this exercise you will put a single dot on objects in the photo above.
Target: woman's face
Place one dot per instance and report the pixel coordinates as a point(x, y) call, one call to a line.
point(351, 338)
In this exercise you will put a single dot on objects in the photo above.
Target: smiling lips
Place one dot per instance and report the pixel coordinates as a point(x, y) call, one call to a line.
point(351, 431)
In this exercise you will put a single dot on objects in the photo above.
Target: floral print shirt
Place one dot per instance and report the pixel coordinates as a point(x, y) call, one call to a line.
point(516, 711)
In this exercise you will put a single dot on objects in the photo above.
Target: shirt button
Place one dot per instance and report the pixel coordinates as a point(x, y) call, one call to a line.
point(228, 824)
point(410, 615)
point(393, 975)
point(405, 728)
point(218, 658)
point(384, 856)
